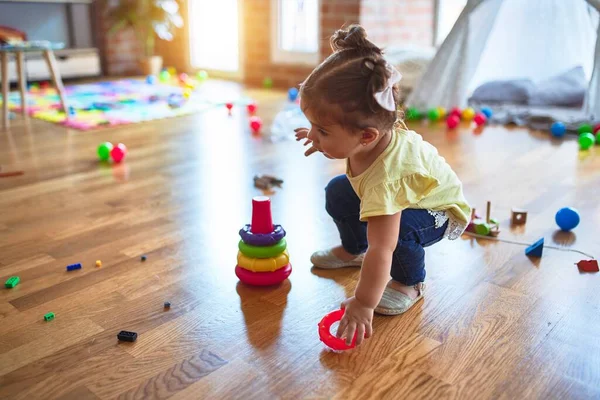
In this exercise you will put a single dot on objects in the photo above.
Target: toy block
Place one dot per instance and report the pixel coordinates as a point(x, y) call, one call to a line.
point(518, 217)
point(73, 267)
point(49, 316)
point(126, 336)
point(588, 266)
point(12, 282)
point(262, 221)
point(98, 263)
point(536, 249)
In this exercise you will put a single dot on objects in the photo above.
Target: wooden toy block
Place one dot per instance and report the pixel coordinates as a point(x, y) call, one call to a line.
point(518, 217)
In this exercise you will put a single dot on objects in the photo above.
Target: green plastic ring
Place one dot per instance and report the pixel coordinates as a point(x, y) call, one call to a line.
point(262, 251)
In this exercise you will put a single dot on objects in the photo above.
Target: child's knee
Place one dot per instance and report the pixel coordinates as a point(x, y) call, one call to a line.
point(337, 194)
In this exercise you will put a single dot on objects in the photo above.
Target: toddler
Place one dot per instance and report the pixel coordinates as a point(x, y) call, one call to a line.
point(398, 194)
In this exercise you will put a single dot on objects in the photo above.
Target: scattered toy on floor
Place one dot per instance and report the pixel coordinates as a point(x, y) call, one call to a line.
point(49, 317)
point(558, 129)
point(487, 112)
point(126, 336)
point(118, 153)
point(433, 114)
point(468, 114)
point(151, 79)
point(585, 128)
point(255, 124)
point(452, 121)
point(202, 75)
point(518, 216)
point(143, 258)
point(293, 94)
point(480, 119)
point(586, 140)
point(164, 76)
point(12, 282)
point(73, 267)
point(262, 258)
point(98, 263)
point(167, 305)
point(488, 227)
point(329, 339)
point(567, 218)
point(251, 108)
point(104, 151)
point(536, 249)
point(588, 266)
point(229, 106)
point(267, 182)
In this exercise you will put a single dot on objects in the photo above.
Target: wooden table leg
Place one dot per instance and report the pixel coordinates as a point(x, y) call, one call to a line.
point(5, 85)
point(22, 81)
point(56, 79)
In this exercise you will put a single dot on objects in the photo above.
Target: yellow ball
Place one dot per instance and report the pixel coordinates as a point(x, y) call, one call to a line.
point(468, 114)
point(187, 93)
point(172, 71)
point(441, 111)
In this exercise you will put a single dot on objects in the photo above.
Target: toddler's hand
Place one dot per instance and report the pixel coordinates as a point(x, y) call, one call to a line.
point(357, 319)
point(302, 133)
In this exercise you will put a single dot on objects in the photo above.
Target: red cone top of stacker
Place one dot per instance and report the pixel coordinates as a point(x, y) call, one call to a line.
point(262, 221)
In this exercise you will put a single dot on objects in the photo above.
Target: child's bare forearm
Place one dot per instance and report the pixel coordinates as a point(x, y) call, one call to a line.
point(374, 276)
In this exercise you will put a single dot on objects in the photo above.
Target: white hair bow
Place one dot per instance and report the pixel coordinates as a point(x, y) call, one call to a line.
point(385, 97)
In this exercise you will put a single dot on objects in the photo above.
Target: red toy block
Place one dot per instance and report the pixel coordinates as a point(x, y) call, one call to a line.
point(588, 266)
point(262, 221)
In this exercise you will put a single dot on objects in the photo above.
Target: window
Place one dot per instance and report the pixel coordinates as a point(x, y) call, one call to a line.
point(447, 14)
point(295, 31)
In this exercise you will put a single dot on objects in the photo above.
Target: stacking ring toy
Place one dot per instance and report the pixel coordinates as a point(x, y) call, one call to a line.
point(263, 264)
point(325, 335)
point(263, 278)
point(262, 251)
point(262, 239)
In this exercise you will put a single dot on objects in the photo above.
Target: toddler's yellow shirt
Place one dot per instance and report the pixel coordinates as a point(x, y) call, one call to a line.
point(409, 174)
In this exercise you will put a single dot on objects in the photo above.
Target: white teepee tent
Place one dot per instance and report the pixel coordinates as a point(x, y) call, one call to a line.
point(495, 40)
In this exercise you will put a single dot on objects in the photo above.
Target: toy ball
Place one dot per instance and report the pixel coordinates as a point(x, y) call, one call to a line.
point(596, 128)
point(292, 94)
point(413, 114)
point(480, 119)
point(164, 76)
point(558, 129)
point(104, 151)
point(433, 114)
point(441, 111)
point(598, 138)
point(251, 108)
point(567, 218)
point(183, 77)
point(586, 140)
point(487, 112)
point(229, 106)
point(44, 85)
point(172, 71)
point(585, 128)
point(202, 75)
point(190, 85)
point(452, 121)
point(456, 111)
point(151, 79)
point(255, 124)
point(34, 87)
point(118, 152)
point(468, 114)
point(187, 93)
point(268, 82)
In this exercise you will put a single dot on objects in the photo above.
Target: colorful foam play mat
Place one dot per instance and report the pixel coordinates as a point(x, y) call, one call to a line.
point(128, 101)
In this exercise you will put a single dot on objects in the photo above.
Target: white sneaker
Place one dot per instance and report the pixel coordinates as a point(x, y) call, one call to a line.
point(327, 260)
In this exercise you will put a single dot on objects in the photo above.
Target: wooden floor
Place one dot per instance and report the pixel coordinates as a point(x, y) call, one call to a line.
point(494, 324)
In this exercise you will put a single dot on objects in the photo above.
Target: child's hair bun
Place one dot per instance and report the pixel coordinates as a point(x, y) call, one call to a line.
point(353, 38)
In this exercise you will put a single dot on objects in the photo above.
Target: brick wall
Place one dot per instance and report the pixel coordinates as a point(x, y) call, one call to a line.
point(398, 22)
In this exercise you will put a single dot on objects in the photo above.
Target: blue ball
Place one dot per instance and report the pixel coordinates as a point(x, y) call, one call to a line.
point(558, 129)
point(567, 218)
point(293, 94)
point(151, 79)
point(487, 112)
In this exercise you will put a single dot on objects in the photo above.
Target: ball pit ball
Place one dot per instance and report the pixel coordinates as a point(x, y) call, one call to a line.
point(229, 106)
point(586, 140)
point(413, 114)
point(202, 75)
point(251, 108)
point(452, 121)
point(293, 94)
point(456, 111)
point(151, 79)
point(104, 151)
point(480, 119)
point(164, 76)
point(585, 128)
point(433, 114)
point(567, 218)
point(118, 153)
point(183, 77)
point(487, 112)
point(172, 71)
point(441, 111)
point(596, 128)
point(468, 114)
point(558, 129)
point(255, 124)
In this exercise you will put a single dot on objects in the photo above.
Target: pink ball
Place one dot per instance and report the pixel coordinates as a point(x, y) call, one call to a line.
point(118, 152)
point(255, 124)
point(480, 119)
point(456, 111)
point(452, 121)
point(251, 108)
point(183, 77)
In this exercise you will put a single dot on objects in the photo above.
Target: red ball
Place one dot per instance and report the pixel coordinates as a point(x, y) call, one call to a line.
point(480, 119)
point(229, 106)
point(118, 153)
point(255, 124)
point(452, 121)
point(456, 111)
point(596, 128)
point(251, 108)
point(183, 77)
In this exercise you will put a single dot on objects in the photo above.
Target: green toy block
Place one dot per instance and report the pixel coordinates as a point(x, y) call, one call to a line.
point(12, 282)
point(49, 316)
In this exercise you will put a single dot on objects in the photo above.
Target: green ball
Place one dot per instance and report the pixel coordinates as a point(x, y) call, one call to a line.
point(202, 75)
point(268, 82)
point(104, 151)
point(164, 76)
point(598, 137)
point(413, 114)
point(586, 140)
point(433, 114)
point(586, 128)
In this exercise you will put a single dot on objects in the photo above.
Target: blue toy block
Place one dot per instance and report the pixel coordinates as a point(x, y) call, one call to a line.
point(536, 249)
point(73, 267)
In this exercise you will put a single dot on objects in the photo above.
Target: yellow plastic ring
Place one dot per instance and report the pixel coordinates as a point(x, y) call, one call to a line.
point(263, 264)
